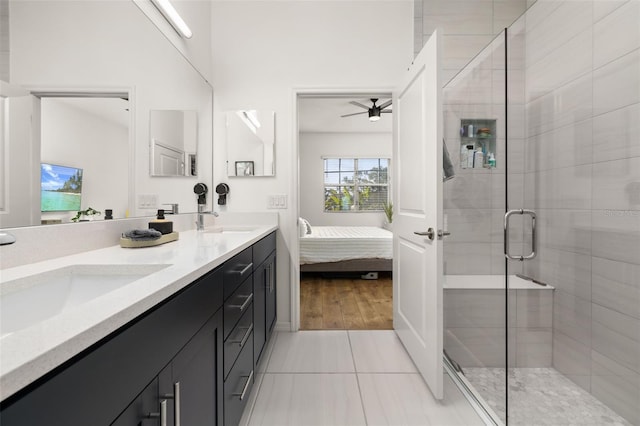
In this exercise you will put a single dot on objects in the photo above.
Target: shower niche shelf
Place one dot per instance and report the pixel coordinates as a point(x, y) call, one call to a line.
point(477, 143)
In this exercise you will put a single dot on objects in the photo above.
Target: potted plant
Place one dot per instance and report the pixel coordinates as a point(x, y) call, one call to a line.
point(388, 212)
point(87, 214)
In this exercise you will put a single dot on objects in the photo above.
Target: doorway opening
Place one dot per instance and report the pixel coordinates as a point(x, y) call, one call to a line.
point(344, 188)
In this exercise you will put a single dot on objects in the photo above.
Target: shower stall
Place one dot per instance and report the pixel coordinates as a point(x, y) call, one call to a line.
point(542, 265)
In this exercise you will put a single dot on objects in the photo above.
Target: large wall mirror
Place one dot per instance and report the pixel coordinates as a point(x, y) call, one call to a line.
point(250, 143)
point(77, 100)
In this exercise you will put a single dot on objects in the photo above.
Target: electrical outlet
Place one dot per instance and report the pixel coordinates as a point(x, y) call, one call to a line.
point(147, 201)
point(277, 201)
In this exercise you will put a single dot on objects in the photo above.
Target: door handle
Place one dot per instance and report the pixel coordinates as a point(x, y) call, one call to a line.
point(176, 402)
point(162, 415)
point(430, 233)
point(533, 234)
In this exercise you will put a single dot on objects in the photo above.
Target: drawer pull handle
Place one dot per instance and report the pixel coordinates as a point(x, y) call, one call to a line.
point(245, 269)
point(242, 307)
point(245, 387)
point(245, 337)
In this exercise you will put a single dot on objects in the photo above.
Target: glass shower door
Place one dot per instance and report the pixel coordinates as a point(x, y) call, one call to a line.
point(475, 296)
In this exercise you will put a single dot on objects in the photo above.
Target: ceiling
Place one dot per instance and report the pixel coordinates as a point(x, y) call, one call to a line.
point(112, 109)
point(322, 114)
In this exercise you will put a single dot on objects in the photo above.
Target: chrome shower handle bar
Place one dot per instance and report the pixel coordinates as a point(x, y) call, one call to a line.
point(533, 234)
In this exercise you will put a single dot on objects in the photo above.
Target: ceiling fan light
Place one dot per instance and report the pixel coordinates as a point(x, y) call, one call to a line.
point(374, 114)
point(374, 118)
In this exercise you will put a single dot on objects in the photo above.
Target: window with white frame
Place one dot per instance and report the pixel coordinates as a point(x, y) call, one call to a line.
point(356, 184)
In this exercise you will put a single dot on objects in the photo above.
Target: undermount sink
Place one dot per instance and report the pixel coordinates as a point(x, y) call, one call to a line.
point(35, 298)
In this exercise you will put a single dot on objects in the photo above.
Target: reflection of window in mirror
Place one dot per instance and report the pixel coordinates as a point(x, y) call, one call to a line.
point(173, 142)
point(250, 143)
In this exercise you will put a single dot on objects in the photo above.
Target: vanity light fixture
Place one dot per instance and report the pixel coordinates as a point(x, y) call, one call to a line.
point(174, 18)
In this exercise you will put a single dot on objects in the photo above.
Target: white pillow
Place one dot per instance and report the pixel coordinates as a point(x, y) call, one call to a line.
point(307, 226)
point(304, 227)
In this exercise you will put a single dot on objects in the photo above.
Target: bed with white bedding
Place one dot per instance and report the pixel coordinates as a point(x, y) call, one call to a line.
point(346, 248)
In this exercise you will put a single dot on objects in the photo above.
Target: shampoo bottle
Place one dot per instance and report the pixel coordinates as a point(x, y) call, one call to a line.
point(478, 160)
point(470, 156)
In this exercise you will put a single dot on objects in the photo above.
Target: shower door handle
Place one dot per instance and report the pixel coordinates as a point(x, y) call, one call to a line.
point(533, 234)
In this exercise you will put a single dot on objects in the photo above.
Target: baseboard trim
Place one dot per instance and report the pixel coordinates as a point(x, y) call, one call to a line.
point(283, 326)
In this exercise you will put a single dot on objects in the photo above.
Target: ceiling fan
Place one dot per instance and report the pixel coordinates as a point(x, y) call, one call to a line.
point(374, 110)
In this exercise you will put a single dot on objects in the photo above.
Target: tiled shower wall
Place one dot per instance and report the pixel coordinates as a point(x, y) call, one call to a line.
point(474, 200)
point(582, 176)
point(467, 26)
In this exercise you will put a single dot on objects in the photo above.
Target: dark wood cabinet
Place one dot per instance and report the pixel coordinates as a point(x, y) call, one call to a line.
point(264, 289)
point(144, 409)
point(98, 385)
point(190, 359)
point(238, 335)
point(190, 384)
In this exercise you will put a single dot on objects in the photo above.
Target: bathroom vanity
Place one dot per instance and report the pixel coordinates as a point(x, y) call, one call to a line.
point(177, 346)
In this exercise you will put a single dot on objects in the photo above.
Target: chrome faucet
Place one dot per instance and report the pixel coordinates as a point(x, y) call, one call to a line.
point(174, 208)
point(201, 213)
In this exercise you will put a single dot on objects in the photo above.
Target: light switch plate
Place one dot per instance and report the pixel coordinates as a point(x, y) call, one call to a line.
point(147, 201)
point(277, 201)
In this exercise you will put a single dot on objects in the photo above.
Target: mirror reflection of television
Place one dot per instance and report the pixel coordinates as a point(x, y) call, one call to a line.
point(60, 188)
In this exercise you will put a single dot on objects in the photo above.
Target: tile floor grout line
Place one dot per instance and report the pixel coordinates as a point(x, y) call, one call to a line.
point(355, 368)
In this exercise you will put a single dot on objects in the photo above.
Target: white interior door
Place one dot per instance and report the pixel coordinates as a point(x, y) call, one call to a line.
point(417, 259)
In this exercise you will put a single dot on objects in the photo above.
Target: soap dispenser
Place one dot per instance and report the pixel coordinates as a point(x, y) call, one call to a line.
point(161, 224)
point(492, 160)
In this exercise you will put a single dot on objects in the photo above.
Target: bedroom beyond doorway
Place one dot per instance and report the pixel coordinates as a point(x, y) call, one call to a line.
point(345, 303)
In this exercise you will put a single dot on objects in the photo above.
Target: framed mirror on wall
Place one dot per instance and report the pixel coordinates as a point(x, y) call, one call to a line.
point(60, 49)
point(250, 143)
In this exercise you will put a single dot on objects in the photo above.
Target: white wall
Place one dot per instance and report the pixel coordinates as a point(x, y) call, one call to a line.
point(315, 146)
point(263, 50)
point(466, 26)
point(71, 136)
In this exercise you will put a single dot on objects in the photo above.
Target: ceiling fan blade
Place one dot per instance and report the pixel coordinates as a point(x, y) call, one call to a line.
point(388, 111)
point(355, 113)
point(386, 104)
point(359, 104)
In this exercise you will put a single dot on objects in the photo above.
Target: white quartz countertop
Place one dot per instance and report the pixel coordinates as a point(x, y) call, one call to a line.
point(29, 353)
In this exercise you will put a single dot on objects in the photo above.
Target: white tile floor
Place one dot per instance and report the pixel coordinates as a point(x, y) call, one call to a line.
point(348, 378)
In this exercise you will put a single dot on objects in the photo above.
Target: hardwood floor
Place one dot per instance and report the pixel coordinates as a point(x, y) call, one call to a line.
point(345, 303)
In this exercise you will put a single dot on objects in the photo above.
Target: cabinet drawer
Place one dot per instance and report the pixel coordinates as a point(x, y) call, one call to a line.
point(236, 270)
point(263, 248)
point(236, 305)
point(238, 386)
point(241, 336)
